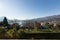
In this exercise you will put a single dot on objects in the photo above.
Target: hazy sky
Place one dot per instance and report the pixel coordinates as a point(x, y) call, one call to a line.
point(28, 9)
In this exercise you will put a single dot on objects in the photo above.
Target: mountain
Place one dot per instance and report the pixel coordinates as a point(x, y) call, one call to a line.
point(54, 18)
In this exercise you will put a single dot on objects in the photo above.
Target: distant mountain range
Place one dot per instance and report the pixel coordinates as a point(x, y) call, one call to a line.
point(54, 18)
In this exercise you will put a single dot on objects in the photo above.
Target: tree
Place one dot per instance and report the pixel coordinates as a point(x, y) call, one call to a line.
point(2, 32)
point(47, 25)
point(1, 23)
point(36, 25)
point(15, 25)
point(5, 22)
point(27, 24)
point(50, 27)
point(58, 26)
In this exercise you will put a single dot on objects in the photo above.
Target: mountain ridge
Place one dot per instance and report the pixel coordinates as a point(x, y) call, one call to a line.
point(42, 19)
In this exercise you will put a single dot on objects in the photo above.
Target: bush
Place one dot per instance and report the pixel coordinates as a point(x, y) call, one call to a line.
point(20, 32)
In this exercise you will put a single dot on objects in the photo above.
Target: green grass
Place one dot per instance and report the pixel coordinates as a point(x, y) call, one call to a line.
point(43, 31)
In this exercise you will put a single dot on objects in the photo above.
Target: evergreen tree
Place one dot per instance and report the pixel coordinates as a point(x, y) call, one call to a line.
point(5, 22)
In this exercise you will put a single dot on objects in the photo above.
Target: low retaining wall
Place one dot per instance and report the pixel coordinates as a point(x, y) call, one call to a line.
point(41, 36)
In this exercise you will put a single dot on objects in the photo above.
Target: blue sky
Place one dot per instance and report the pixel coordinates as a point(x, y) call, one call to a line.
point(29, 9)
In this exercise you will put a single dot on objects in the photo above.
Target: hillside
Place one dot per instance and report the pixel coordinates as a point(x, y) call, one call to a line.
point(54, 18)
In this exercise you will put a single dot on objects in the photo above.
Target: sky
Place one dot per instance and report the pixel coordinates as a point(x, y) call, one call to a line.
point(29, 9)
